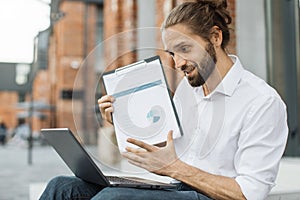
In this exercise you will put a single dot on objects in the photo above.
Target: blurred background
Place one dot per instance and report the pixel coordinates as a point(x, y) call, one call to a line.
point(53, 52)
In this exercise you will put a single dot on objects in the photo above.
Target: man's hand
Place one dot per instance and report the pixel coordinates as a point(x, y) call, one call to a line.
point(159, 160)
point(105, 107)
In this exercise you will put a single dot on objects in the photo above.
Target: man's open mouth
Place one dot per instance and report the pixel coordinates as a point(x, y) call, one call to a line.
point(188, 69)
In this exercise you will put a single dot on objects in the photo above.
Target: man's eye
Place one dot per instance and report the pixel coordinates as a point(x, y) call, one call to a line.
point(185, 49)
point(171, 53)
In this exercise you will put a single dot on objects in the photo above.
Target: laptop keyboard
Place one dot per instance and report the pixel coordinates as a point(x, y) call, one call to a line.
point(122, 180)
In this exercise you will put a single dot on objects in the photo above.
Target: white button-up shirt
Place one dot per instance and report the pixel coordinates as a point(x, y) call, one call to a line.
point(239, 130)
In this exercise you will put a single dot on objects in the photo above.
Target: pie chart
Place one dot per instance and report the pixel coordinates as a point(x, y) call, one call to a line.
point(155, 114)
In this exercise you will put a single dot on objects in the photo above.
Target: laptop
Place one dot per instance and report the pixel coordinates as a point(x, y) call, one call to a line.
point(81, 164)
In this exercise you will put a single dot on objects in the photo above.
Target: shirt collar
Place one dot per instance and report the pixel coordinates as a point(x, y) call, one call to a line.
point(229, 82)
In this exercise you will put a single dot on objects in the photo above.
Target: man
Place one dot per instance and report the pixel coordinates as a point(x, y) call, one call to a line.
point(234, 124)
point(3, 132)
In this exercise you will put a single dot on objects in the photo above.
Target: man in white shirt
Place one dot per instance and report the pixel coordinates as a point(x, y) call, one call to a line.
point(234, 124)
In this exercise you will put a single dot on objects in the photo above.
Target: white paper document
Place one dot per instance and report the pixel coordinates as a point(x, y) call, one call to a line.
point(143, 107)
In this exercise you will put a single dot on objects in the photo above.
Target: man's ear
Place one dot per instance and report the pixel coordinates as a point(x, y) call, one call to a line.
point(216, 36)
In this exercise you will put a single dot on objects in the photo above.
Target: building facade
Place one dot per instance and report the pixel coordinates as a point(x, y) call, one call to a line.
point(87, 38)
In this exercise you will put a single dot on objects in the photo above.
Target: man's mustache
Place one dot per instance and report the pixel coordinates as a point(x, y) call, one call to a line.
point(188, 68)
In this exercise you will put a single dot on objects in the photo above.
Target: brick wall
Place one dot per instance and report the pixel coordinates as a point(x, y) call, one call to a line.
point(120, 20)
point(42, 92)
point(232, 44)
point(72, 40)
point(68, 37)
point(8, 111)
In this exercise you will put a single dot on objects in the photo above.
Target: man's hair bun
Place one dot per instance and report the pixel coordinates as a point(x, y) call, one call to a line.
point(201, 16)
point(216, 4)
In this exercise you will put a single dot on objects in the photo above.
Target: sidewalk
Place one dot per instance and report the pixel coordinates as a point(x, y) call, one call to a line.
point(17, 178)
point(16, 175)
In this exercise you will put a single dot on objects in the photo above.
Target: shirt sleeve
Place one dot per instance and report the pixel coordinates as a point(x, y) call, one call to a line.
point(260, 147)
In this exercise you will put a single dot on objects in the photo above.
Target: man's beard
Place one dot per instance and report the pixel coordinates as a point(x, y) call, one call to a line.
point(204, 68)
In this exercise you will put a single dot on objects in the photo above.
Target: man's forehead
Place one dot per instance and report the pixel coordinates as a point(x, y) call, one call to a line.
point(175, 33)
point(180, 34)
point(172, 37)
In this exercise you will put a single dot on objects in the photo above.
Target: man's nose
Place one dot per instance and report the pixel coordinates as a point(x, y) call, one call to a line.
point(179, 61)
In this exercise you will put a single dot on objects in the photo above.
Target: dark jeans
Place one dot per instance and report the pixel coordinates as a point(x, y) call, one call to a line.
point(67, 188)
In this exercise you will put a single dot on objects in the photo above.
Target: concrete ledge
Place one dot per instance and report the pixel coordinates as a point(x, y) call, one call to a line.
point(291, 196)
point(35, 190)
point(288, 182)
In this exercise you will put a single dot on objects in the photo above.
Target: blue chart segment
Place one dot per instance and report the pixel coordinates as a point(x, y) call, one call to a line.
point(137, 89)
point(155, 114)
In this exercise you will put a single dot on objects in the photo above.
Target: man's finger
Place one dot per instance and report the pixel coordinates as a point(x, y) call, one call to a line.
point(138, 164)
point(107, 113)
point(141, 144)
point(106, 98)
point(170, 137)
point(104, 106)
point(133, 157)
point(135, 150)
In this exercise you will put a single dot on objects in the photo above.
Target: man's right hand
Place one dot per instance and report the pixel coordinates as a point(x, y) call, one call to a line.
point(105, 107)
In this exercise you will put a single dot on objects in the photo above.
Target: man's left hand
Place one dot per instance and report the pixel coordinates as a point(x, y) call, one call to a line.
point(159, 160)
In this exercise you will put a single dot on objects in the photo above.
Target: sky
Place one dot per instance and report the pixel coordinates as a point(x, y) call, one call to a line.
point(20, 22)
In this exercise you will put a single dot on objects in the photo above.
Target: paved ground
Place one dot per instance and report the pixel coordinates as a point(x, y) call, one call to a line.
point(16, 175)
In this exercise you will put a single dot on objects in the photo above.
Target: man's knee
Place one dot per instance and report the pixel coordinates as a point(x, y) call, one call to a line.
point(114, 193)
point(65, 187)
point(60, 181)
point(55, 182)
point(108, 193)
point(53, 187)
